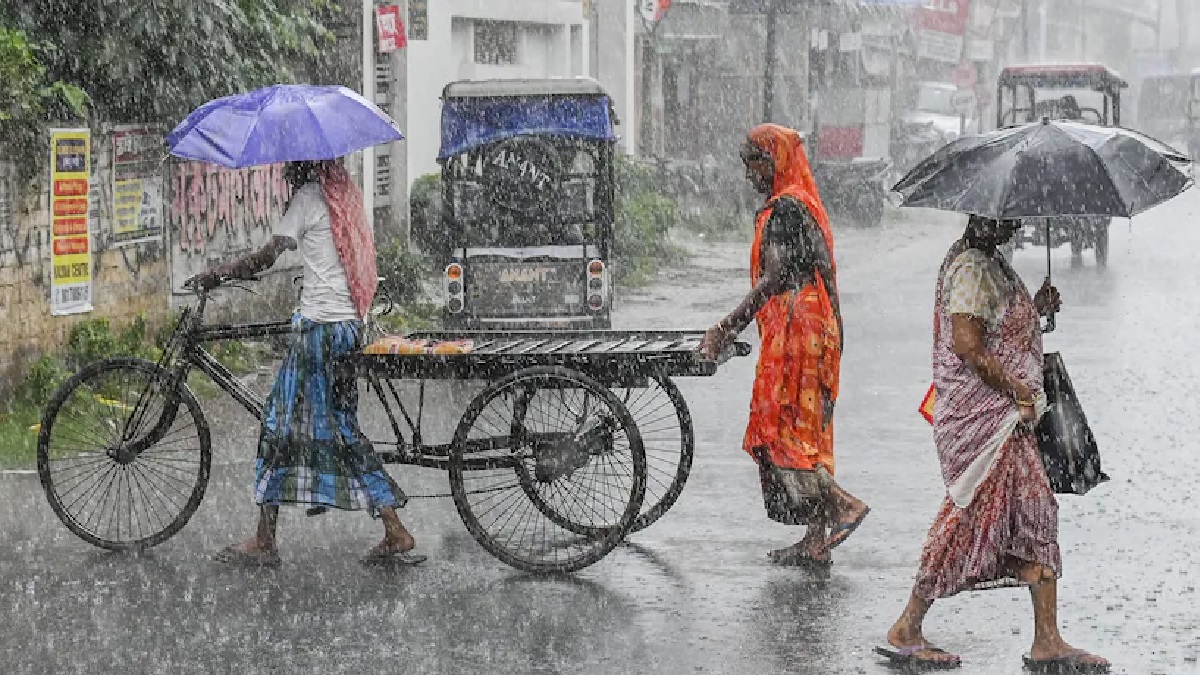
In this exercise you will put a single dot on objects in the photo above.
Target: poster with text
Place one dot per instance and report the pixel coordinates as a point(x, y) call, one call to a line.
point(137, 185)
point(70, 239)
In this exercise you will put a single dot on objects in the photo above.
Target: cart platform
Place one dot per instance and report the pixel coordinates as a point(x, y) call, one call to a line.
point(609, 356)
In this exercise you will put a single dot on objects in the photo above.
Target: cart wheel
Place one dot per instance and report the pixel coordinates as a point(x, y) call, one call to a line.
point(123, 463)
point(547, 470)
point(1102, 245)
point(665, 424)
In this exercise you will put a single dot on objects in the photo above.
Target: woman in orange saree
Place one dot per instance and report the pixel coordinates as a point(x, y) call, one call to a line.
point(794, 301)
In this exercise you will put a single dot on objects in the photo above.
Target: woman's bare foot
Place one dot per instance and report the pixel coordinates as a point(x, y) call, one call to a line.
point(802, 551)
point(1059, 649)
point(905, 637)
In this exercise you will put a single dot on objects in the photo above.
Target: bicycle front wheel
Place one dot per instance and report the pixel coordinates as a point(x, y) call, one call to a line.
point(124, 456)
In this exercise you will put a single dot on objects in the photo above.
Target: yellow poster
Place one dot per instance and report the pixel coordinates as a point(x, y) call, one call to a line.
point(71, 241)
point(137, 184)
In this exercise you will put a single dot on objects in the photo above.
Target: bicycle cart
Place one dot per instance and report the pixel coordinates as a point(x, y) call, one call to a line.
point(578, 438)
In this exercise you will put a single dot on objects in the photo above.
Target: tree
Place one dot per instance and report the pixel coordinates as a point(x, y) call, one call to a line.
point(28, 99)
point(156, 60)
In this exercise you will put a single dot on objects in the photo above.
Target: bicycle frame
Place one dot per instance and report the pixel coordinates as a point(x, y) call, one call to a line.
point(185, 350)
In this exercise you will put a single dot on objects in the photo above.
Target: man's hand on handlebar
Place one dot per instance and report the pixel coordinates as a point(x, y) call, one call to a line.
point(206, 281)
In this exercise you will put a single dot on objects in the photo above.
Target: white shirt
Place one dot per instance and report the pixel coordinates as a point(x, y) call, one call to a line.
point(326, 294)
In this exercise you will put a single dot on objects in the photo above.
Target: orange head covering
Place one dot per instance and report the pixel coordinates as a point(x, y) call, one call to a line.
point(793, 175)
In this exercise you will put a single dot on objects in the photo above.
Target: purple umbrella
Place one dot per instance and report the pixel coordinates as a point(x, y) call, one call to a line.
point(282, 123)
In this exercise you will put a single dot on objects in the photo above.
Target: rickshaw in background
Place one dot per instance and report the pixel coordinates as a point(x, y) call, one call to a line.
point(1088, 93)
point(1162, 108)
point(528, 182)
point(1193, 115)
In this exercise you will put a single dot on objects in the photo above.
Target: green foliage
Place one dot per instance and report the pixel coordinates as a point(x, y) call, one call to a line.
point(153, 60)
point(644, 218)
point(29, 98)
point(425, 214)
point(40, 382)
point(404, 272)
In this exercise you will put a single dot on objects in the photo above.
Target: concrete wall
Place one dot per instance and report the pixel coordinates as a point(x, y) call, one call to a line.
point(545, 49)
point(211, 216)
point(127, 281)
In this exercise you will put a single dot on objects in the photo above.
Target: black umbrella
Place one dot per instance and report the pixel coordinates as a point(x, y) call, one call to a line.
point(1048, 169)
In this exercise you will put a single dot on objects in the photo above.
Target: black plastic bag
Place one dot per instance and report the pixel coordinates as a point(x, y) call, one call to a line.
point(1065, 440)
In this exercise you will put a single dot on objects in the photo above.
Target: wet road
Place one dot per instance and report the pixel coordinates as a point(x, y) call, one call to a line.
point(692, 594)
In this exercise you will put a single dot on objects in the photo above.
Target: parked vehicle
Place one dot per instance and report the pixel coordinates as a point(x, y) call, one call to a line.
point(1162, 110)
point(1089, 93)
point(527, 203)
point(1193, 115)
point(932, 122)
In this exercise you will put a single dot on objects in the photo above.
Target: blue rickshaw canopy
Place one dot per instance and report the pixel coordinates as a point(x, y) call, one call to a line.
point(475, 121)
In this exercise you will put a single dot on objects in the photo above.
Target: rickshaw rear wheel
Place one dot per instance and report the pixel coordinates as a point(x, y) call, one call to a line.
point(110, 497)
point(569, 453)
point(665, 425)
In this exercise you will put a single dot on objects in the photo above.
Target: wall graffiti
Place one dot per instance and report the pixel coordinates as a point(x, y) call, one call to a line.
point(210, 202)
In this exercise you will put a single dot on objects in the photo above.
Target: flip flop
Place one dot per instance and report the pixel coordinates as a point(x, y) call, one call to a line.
point(382, 556)
point(792, 559)
point(906, 657)
point(232, 555)
point(1066, 665)
point(842, 531)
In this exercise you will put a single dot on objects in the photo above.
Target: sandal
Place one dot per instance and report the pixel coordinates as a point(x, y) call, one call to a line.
point(1066, 665)
point(906, 657)
point(232, 555)
point(842, 531)
point(380, 555)
point(792, 558)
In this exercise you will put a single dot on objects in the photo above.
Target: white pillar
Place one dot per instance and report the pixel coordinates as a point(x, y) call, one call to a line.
point(585, 44)
point(368, 92)
point(628, 118)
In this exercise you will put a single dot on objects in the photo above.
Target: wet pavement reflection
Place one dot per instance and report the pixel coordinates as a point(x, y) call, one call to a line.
point(693, 593)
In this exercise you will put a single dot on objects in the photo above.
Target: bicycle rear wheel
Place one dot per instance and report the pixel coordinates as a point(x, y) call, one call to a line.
point(123, 461)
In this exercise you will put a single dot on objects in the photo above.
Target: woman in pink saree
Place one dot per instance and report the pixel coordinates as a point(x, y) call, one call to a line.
point(998, 525)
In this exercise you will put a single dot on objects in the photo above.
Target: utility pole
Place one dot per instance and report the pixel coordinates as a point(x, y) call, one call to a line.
point(401, 209)
point(368, 92)
point(769, 61)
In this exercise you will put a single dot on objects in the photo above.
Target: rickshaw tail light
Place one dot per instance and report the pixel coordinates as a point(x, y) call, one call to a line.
point(454, 272)
point(595, 268)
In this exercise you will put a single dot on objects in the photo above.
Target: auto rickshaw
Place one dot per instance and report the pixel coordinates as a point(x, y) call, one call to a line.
point(528, 183)
point(1193, 115)
point(1088, 93)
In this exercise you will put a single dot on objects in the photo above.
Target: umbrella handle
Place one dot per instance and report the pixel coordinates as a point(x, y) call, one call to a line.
point(1050, 325)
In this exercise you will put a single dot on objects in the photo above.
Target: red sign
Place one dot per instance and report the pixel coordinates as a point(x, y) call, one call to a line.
point(68, 226)
point(70, 187)
point(653, 11)
point(391, 29)
point(944, 16)
point(965, 76)
point(70, 245)
point(840, 142)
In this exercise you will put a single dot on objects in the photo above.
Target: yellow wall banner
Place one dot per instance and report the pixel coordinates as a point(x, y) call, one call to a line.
point(71, 241)
point(137, 184)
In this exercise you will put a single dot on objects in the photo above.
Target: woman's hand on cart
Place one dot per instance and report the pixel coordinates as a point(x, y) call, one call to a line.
point(714, 344)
